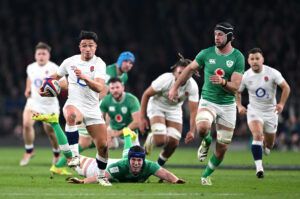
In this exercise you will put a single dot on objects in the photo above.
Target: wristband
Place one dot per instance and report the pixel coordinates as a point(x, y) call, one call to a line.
point(225, 83)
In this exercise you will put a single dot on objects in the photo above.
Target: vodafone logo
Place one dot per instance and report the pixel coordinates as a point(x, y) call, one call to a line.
point(119, 118)
point(219, 72)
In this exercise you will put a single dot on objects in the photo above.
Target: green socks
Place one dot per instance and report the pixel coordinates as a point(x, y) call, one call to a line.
point(207, 139)
point(212, 164)
point(62, 140)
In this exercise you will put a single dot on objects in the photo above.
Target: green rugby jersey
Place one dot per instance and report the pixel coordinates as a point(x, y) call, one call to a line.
point(120, 112)
point(219, 64)
point(111, 71)
point(120, 171)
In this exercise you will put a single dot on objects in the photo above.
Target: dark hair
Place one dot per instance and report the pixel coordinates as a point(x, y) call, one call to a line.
point(255, 50)
point(42, 45)
point(114, 80)
point(181, 62)
point(88, 35)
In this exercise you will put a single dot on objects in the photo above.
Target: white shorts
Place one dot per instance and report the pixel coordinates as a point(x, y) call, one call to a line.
point(225, 114)
point(38, 106)
point(174, 115)
point(269, 119)
point(91, 115)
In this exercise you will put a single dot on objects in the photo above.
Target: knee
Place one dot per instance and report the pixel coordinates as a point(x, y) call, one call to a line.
point(203, 127)
point(71, 118)
point(257, 136)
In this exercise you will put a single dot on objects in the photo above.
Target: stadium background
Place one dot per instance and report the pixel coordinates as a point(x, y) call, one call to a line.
point(153, 30)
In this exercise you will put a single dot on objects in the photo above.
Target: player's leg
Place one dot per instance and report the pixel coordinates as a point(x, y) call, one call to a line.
point(158, 135)
point(174, 130)
point(204, 120)
point(225, 124)
point(28, 136)
point(270, 129)
point(129, 137)
point(98, 131)
point(256, 128)
point(73, 116)
point(53, 141)
point(53, 120)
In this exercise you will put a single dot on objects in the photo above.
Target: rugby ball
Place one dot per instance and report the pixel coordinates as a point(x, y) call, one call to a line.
point(52, 86)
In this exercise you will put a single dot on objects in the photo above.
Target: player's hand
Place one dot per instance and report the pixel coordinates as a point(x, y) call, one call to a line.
point(190, 136)
point(79, 74)
point(143, 124)
point(242, 110)
point(44, 93)
point(180, 181)
point(74, 180)
point(173, 94)
point(27, 93)
point(216, 79)
point(279, 108)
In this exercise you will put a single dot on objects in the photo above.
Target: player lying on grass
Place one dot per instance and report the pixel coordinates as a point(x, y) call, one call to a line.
point(133, 167)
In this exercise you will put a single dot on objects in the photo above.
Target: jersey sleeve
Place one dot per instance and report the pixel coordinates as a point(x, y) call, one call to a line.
point(28, 71)
point(243, 85)
point(152, 166)
point(200, 58)
point(193, 91)
point(161, 82)
point(240, 64)
point(62, 70)
point(277, 77)
point(100, 69)
point(134, 104)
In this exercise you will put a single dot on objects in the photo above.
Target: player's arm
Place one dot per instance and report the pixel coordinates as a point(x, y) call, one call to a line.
point(241, 109)
point(284, 96)
point(27, 92)
point(143, 122)
point(193, 107)
point(183, 77)
point(231, 85)
point(168, 176)
point(135, 120)
point(97, 85)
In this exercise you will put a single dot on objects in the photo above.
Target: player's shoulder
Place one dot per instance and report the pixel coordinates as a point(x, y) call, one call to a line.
point(52, 64)
point(130, 96)
point(72, 59)
point(236, 52)
point(192, 83)
point(32, 65)
point(166, 76)
point(269, 69)
point(107, 98)
point(98, 60)
point(110, 66)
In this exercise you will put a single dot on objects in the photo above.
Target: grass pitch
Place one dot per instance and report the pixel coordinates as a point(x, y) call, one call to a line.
point(282, 178)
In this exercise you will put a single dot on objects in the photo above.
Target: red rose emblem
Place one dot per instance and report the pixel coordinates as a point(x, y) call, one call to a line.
point(266, 78)
point(92, 68)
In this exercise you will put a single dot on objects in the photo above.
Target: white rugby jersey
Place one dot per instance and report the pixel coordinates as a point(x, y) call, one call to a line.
point(37, 74)
point(163, 84)
point(79, 92)
point(262, 87)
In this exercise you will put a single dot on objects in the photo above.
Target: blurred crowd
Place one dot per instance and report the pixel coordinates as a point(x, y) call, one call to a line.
point(154, 31)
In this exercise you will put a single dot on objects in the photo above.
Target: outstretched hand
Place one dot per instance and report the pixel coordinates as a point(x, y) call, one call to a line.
point(74, 180)
point(180, 181)
point(190, 136)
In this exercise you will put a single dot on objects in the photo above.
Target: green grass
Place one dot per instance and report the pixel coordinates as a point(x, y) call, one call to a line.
point(34, 181)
